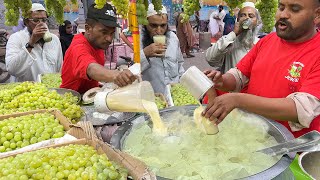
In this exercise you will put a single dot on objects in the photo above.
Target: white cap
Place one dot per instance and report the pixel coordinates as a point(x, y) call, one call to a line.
point(248, 4)
point(37, 7)
point(152, 12)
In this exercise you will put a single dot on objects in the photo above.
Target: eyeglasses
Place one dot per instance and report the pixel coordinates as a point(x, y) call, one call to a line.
point(37, 20)
point(154, 26)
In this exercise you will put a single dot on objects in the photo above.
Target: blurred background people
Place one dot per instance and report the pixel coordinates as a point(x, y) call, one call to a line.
point(66, 35)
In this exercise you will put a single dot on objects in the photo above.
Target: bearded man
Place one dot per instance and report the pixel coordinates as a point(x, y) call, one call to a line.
point(229, 49)
point(161, 64)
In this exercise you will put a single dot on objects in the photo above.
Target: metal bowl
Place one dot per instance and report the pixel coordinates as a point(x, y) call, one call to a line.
point(309, 162)
point(280, 170)
point(62, 91)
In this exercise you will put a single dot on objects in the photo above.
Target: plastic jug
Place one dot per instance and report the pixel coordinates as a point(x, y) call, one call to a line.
point(126, 99)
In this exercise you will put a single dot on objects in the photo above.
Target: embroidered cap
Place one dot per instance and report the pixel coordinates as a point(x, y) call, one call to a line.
point(152, 12)
point(106, 15)
point(37, 7)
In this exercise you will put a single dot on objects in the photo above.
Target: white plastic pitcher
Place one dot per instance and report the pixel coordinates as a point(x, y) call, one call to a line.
point(125, 99)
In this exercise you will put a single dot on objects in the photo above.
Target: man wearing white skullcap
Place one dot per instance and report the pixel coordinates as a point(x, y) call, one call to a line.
point(229, 49)
point(28, 54)
point(161, 64)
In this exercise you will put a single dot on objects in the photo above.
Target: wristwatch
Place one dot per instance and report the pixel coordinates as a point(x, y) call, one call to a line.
point(29, 46)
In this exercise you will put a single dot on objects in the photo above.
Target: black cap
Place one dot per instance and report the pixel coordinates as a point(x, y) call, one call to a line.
point(106, 15)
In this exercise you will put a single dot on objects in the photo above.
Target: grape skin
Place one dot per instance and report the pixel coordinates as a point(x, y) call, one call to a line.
point(69, 162)
point(29, 129)
point(181, 96)
point(31, 96)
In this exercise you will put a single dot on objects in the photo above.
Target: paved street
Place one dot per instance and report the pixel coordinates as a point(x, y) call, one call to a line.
point(198, 61)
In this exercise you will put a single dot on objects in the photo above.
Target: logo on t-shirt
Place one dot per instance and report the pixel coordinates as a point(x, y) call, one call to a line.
point(294, 72)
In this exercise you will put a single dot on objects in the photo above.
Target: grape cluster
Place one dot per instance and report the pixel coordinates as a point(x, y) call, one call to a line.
point(161, 104)
point(21, 131)
point(31, 96)
point(67, 162)
point(267, 9)
point(189, 7)
point(8, 86)
point(52, 80)
point(142, 12)
point(55, 8)
point(157, 5)
point(12, 12)
point(233, 4)
point(122, 7)
point(181, 96)
point(100, 3)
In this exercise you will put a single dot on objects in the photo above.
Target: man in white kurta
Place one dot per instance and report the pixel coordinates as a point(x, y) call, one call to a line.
point(229, 49)
point(27, 54)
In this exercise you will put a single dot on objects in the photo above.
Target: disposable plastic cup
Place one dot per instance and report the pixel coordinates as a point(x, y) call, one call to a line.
point(47, 37)
point(159, 39)
point(196, 82)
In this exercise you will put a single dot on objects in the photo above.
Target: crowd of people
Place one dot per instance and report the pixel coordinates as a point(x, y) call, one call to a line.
point(276, 76)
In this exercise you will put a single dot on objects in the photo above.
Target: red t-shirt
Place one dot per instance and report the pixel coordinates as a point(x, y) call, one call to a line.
point(277, 68)
point(76, 61)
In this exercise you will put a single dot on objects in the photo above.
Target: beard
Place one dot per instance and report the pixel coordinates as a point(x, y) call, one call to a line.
point(247, 37)
point(290, 33)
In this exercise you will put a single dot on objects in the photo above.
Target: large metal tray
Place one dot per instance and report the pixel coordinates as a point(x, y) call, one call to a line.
point(278, 131)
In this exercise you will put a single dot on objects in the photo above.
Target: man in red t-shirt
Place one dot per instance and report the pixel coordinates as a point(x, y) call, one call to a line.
point(282, 72)
point(83, 65)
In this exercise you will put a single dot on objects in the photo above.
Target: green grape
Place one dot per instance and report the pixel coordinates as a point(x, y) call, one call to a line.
point(52, 80)
point(55, 8)
point(234, 4)
point(15, 138)
point(31, 96)
point(161, 104)
point(267, 11)
point(100, 3)
point(157, 5)
point(142, 12)
point(61, 163)
point(181, 96)
point(189, 6)
point(122, 7)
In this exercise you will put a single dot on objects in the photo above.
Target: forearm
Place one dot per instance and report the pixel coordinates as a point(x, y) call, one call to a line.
point(273, 108)
point(99, 73)
point(229, 83)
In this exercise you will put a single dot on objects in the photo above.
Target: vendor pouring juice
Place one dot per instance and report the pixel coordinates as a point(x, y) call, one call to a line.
point(281, 73)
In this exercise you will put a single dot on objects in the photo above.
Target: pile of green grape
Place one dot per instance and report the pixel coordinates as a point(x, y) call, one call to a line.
point(122, 7)
point(52, 80)
point(181, 96)
point(31, 96)
point(161, 104)
point(142, 7)
point(68, 162)
point(189, 7)
point(8, 86)
point(22, 131)
point(267, 9)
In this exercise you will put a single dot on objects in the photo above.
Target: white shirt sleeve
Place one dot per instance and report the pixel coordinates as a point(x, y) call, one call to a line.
point(241, 79)
point(308, 108)
point(216, 53)
point(144, 61)
point(18, 59)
